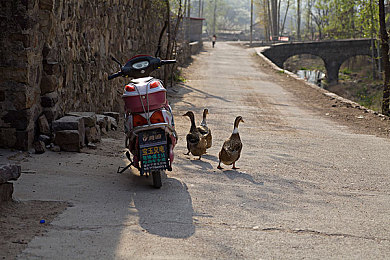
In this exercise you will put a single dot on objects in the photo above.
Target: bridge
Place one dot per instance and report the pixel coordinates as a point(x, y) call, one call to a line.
point(333, 53)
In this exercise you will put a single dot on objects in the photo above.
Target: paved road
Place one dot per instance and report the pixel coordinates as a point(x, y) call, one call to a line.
point(306, 187)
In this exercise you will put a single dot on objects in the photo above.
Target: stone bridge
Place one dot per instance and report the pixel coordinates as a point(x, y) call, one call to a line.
point(333, 53)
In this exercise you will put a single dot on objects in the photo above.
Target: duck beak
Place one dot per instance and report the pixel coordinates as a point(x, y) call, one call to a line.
point(242, 120)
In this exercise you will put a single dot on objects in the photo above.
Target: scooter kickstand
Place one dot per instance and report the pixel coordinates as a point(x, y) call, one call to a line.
point(122, 169)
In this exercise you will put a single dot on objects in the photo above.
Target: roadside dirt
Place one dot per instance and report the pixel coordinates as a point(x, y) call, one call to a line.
point(20, 222)
point(358, 118)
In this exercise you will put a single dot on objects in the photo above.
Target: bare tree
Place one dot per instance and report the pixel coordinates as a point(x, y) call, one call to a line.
point(274, 18)
point(299, 19)
point(385, 58)
point(285, 16)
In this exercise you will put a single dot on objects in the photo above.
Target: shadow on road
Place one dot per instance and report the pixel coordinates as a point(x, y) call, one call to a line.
point(165, 212)
point(232, 174)
point(183, 89)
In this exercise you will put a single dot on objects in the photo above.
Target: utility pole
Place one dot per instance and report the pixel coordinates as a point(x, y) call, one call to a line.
point(299, 20)
point(215, 14)
point(188, 20)
point(189, 9)
point(251, 27)
point(200, 8)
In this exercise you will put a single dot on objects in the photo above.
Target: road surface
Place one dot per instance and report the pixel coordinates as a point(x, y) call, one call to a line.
point(307, 187)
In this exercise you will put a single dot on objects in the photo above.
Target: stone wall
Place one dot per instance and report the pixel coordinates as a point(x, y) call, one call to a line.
point(55, 58)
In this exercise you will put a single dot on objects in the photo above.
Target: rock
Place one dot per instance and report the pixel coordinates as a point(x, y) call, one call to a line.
point(71, 123)
point(93, 134)
point(51, 113)
point(49, 100)
point(39, 147)
point(43, 124)
point(103, 131)
point(7, 137)
point(44, 138)
point(112, 123)
point(102, 121)
point(9, 172)
point(46, 5)
point(92, 146)
point(89, 117)
point(48, 83)
point(6, 190)
point(68, 140)
point(55, 148)
point(112, 114)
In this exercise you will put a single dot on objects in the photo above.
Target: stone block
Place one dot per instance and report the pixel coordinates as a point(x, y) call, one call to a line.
point(43, 125)
point(68, 140)
point(14, 74)
point(6, 190)
point(9, 172)
point(18, 119)
point(51, 67)
point(49, 99)
point(89, 117)
point(102, 121)
point(7, 137)
point(44, 138)
point(24, 139)
point(51, 113)
point(93, 134)
point(112, 123)
point(70, 123)
point(48, 83)
point(112, 114)
point(39, 147)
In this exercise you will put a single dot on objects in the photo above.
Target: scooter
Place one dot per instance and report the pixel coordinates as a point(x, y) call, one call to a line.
point(149, 125)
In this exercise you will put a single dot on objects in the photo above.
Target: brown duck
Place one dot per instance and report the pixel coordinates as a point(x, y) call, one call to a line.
point(231, 149)
point(205, 130)
point(196, 142)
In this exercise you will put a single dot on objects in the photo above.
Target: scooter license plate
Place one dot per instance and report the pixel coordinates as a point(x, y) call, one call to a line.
point(153, 150)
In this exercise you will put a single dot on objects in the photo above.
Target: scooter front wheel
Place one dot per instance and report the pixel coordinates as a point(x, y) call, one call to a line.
point(156, 176)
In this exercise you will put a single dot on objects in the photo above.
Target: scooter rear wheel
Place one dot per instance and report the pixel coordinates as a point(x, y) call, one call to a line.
point(156, 176)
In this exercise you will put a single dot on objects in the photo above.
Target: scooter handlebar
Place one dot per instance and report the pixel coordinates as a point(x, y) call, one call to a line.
point(164, 62)
point(115, 75)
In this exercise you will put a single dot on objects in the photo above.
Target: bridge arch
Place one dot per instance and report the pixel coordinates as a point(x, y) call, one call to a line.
point(333, 53)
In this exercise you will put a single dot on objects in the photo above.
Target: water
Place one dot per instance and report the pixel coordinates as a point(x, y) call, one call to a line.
point(312, 76)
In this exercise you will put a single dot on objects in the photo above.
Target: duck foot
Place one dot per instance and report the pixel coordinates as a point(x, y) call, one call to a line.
point(234, 167)
point(219, 166)
point(187, 153)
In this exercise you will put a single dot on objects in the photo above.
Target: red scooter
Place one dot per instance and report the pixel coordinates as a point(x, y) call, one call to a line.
point(149, 125)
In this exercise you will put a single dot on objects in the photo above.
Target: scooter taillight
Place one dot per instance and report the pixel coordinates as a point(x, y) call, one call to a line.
point(155, 84)
point(157, 117)
point(139, 120)
point(129, 88)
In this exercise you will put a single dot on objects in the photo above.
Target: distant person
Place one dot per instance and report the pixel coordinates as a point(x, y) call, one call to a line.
point(214, 39)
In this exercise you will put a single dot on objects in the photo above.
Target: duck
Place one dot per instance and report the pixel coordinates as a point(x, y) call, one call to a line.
point(205, 130)
point(231, 149)
point(196, 142)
